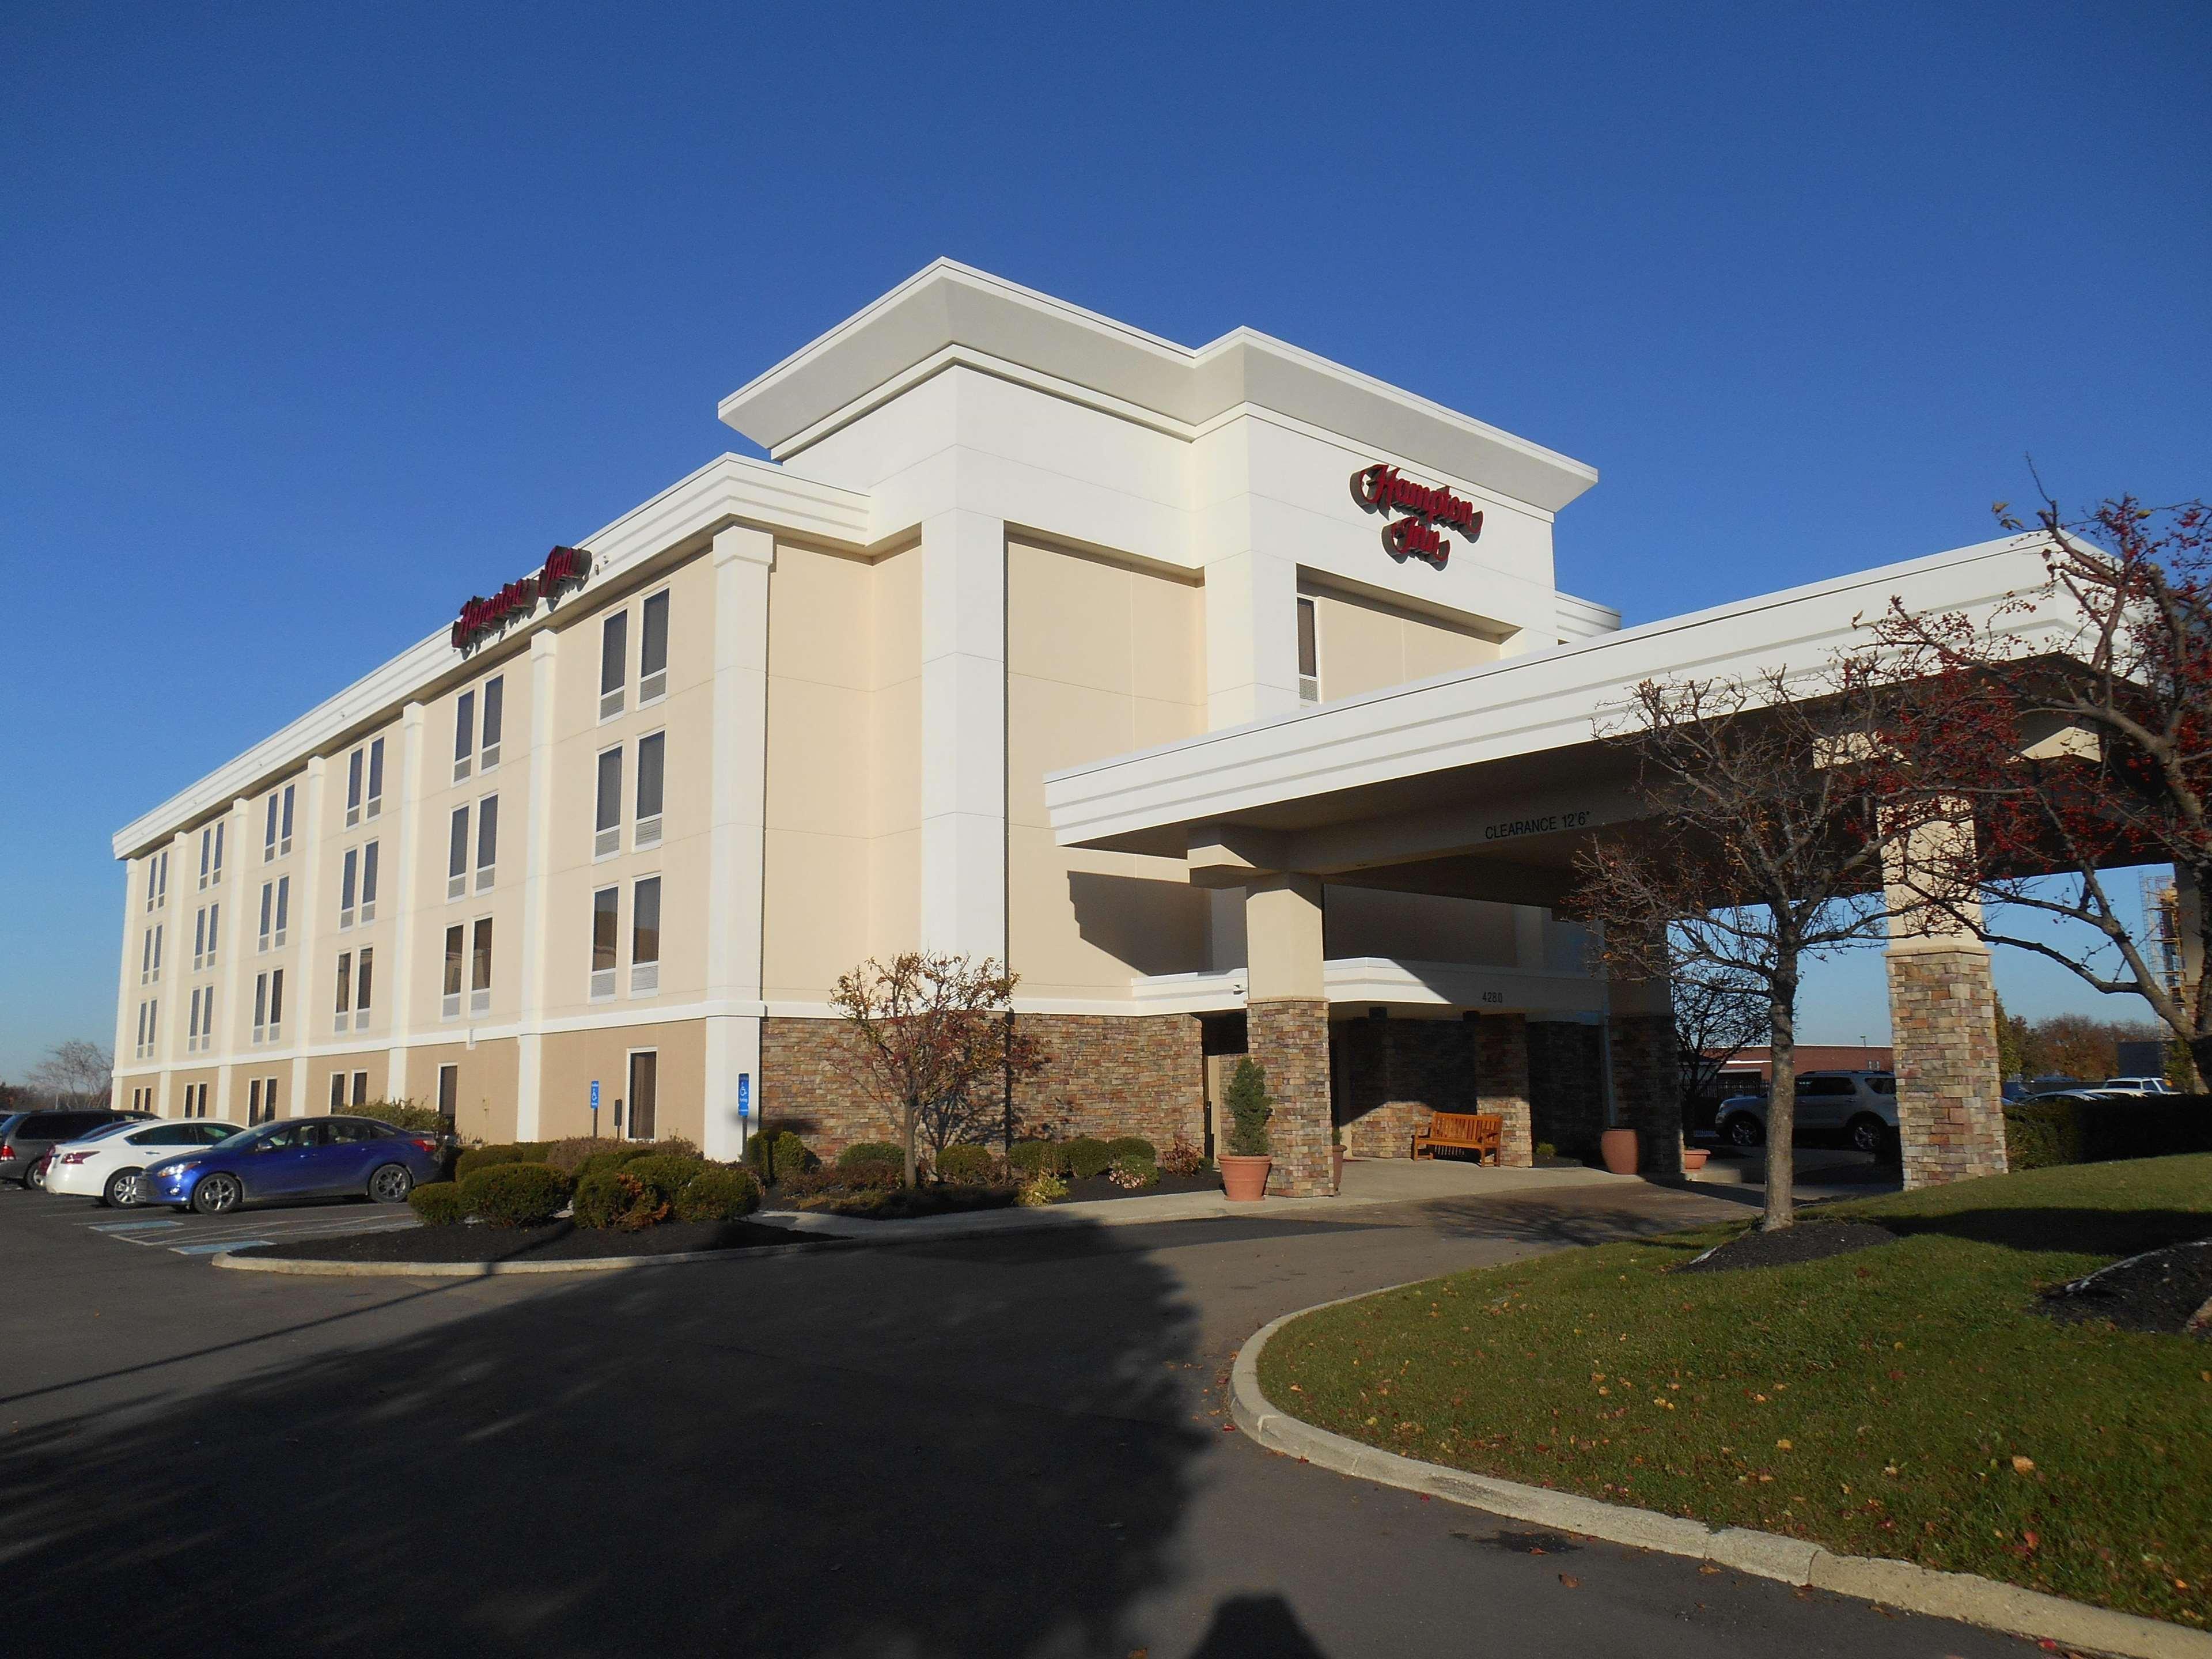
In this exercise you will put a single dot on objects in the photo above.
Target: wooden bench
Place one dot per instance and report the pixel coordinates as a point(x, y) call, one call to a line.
point(1480, 1132)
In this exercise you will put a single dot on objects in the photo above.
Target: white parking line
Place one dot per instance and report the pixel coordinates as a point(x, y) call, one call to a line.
point(209, 1236)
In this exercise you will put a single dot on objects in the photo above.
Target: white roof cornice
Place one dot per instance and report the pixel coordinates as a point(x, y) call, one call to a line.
point(731, 489)
point(948, 305)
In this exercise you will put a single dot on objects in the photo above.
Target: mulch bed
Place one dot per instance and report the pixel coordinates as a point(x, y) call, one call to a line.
point(865, 1205)
point(2161, 1291)
point(564, 1241)
point(1094, 1187)
point(1809, 1241)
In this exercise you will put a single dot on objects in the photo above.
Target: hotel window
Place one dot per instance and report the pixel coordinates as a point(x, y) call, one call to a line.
point(278, 839)
point(480, 967)
point(202, 1034)
point(356, 776)
point(145, 1050)
point(606, 822)
point(653, 650)
point(651, 752)
point(269, 1006)
point(353, 988)
point(457, 854)
point(495, 702)
point(196, 1100)
point(362, 987)
point(644, 1093)
point(464, 734)
point(368, 884)
point(449, 1091)
point(253, 1102)
point(614, 663)
point(456, 947)
point(261, 1101)
point(284, 907)
point(337, 1091)
point(157, 880)
point(606, 921)
point(349, 872)
point(150, 956)
point(275, 903)
point(204, 929)
point(344, 1021)
point(361, 1088)
point(211, 854)
point(487, 842)
point(645, 938)
point(1308, 654)
point(374, 805)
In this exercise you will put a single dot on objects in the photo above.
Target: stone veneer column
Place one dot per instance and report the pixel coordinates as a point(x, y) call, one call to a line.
point(1501, 1070)
point(1943, 1023)
point(1647, 1089)
point(1287, 1024)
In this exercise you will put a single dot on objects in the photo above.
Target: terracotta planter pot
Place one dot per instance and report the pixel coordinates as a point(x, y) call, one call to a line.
point(1693, 1159)
point(1618, 1148)
point(1244, 1180)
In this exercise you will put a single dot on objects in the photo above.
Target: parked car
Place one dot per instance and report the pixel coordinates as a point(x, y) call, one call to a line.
point(26, 1137)
point(2138, 1085)
point(295, 1157)
point(1861, 1105)
point(107, 1163)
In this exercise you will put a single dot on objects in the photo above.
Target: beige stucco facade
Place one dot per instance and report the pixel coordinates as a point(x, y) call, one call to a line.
point(961, 571)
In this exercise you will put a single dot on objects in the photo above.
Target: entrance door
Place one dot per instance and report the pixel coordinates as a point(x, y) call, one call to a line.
point(644, 1093)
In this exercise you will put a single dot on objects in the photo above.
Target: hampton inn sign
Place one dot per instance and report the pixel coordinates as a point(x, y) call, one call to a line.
point(565, 567)
point(1385, 489)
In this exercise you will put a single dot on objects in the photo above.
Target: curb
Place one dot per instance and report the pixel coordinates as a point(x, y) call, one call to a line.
point(1964, 1596)
point(594, 1264)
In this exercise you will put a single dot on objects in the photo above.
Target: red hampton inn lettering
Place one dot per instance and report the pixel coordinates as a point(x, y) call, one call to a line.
point(1382, 488)
point(565, 567)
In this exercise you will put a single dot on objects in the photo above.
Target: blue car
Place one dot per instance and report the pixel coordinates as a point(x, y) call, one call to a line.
point(295, 1157)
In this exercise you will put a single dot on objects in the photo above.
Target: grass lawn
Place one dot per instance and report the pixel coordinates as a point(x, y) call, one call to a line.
point(1902, 1400)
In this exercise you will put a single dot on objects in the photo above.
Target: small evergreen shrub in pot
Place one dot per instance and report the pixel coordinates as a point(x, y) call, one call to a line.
point(967, 1166)
point(515, 1195)
point(439, 1204)
point(872, 1152)
point(1244, 1167)
point(1087, 1156)
point(718, 1193)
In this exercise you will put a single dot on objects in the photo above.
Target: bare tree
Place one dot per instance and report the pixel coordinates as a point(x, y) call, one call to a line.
point(1761, 850)
point(934, 1041)
point(1718, 1013)
point(2078, 754)
point(77, 1074)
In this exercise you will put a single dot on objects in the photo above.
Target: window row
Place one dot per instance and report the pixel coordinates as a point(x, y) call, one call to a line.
point(651, 779)
point(365, 782)
point(475, 747)
point(206, 920)
point(357, 880)
point(150, 1013)
point(356, 982)
point(486, 845)
point(651, 656)
point(200, 1032)
point(211, 854)
point(276, 841)
point(142, 1100)
point(157, 880)
point(260, 1102)
point(195, 1101)
point(644, 938)
point(468, 947)
point(276, 912)
point(149, 955)
point(269, 1006)
point(338, 1090)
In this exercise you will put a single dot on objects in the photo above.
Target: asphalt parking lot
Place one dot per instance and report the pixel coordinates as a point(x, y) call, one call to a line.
point(1010, 1446)
point(182, 1232)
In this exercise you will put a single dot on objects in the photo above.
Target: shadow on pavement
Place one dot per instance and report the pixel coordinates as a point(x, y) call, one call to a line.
point(716, 1459)
point(1257, 1627)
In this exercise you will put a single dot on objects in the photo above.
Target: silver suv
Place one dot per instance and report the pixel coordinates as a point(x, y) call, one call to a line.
point(1862, 1105)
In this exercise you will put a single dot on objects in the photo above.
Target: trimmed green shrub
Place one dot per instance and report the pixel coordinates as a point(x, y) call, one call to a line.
point(773, 1154)
point(872, 1152)
point(615, 1198)
point(1249, 1108)
point(1034, 1158)
point(1132, 1146)
point(718, 1193)
point(2042, 1133)
point(416, 1120)
point(439, 1203)
point(1086, 1157)
point(851, 1178)
point(515, 1195)
point(1133, 1174)
point(666, 1173)
point(568, 1156)
point(976, 1166)
point(484, 1157)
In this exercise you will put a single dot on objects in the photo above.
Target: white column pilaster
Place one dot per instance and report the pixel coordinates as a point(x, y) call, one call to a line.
point(169, 1019)
point(743, 559)
point(234, 930)
point(1251, 639)
point(406, 896)
point(964, 734)
point(538, 855)
point(303, 1009)
point(126, 984)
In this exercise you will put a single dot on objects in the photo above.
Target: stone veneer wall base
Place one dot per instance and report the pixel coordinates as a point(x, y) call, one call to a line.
point(1942, 1017)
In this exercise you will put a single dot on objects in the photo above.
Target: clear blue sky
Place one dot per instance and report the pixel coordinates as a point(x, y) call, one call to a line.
point(319, 318)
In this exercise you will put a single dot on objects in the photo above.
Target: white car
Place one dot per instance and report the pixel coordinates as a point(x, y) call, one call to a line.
point(107, 1166)
point(2137, 1085)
